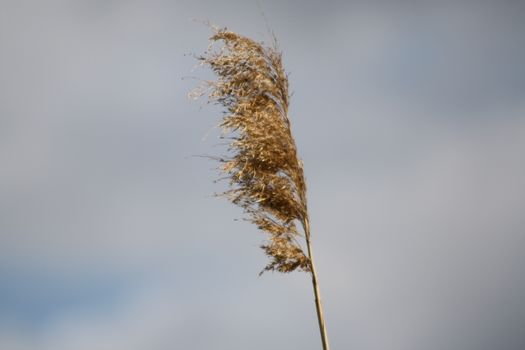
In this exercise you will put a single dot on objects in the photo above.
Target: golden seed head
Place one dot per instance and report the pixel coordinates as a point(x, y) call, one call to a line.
point(265, 175)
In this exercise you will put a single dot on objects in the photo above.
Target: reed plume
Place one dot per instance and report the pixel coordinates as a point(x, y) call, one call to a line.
point(265, 175)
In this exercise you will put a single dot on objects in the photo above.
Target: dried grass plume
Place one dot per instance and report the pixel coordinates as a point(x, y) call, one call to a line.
point(265, 174)
point(261, 164)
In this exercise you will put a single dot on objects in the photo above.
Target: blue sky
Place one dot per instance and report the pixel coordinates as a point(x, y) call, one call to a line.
point(410, 121)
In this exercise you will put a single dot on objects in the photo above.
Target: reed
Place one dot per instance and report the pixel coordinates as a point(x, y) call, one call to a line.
point(265, 175)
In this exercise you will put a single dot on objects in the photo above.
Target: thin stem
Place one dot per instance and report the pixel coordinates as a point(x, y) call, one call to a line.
point(318, 304)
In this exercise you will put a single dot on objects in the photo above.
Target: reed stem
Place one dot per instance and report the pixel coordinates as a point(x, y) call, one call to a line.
point(317, 292)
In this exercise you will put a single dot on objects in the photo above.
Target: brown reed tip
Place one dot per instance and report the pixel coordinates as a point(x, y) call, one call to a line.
point(265, 175)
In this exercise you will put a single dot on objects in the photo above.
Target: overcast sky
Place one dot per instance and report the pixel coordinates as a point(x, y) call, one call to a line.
point(410, 120)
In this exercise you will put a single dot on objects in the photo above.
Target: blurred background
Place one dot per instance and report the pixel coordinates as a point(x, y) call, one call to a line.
point(409, 117)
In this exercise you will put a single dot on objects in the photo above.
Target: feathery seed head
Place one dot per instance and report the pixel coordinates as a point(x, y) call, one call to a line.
point(265, 175)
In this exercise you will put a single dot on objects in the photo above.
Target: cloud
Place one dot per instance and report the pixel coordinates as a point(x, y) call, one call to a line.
point(430, 252)
point(409, 121)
